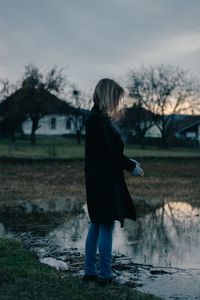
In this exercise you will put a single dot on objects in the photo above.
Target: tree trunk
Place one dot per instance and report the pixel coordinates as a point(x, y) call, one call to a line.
point(78, 136)
point(164, 140)
point(33, 130)
point(13, 136)
point(142, 141)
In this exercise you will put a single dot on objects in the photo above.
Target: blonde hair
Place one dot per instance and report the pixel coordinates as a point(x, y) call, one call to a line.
point(108, 95)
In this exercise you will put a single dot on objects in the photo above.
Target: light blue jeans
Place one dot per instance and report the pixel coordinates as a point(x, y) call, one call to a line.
point(99, 237)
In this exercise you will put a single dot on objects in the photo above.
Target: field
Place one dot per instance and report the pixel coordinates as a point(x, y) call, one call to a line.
point(65, 148)
point(165, 179)
point(55, 166)
point(55, 169)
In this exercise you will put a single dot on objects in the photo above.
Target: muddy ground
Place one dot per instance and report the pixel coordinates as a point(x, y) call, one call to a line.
point(35, 206)
point(165, 179)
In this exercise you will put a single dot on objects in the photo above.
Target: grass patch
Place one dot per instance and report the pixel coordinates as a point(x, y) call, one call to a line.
point(67, 147)
point(45, 147)
point(134, 151)
point(22, 277)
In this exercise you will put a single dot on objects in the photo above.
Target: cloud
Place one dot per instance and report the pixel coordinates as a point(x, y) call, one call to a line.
point(93, 39)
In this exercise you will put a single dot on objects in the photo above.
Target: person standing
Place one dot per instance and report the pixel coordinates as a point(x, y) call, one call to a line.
point(107, 196)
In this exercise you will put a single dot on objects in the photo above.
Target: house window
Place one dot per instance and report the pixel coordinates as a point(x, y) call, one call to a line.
point(191, 135)
point(68, 124)
point(53, 123)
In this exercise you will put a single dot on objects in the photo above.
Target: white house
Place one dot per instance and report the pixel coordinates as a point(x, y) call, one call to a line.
point(60, 119)
point(153, 132)
point(54, 124)
point(184, 127)
point(190, 129)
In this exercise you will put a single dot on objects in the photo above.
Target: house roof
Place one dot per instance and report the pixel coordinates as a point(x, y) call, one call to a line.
point(180, 122)
point(136, 113)
point(186, 122)
point(58, 106)
point(53, 104)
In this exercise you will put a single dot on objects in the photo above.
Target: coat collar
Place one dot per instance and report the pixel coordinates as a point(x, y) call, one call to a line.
point(96, 108)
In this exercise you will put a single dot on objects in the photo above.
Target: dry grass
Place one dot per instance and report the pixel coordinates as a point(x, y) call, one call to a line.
point(165, 179)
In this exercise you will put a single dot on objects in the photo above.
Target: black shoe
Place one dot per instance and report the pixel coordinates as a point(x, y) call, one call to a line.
point(105, 281)
point(90, 278)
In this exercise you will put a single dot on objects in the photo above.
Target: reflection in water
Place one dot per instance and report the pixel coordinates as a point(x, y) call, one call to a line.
point(167, 237)
point(71, 234)
point(39, 217)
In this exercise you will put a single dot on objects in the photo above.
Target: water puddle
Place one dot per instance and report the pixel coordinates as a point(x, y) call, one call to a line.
point(158, 254)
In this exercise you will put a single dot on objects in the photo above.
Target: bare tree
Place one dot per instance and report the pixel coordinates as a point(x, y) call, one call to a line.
point(5, 89)
point(140, 119)
point(165, 90)
point(37, 88)
point(144, 112)
point(80, 102)
point(10, 109)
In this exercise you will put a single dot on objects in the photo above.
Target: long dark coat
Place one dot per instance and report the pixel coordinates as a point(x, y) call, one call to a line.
point(106, 192)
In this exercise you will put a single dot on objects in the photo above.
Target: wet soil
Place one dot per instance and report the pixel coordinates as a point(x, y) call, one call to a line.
point(158, 254)
point(165, 179)
point(43, 204)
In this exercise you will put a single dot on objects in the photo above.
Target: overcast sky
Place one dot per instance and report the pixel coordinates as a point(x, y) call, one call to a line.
point(92, 39)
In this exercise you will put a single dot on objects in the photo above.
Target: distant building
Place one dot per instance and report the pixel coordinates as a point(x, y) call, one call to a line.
point(60, 117)
point(188, 128)
point(153, 132)
point(55, 124)
point(185, 129)
point(134, 120)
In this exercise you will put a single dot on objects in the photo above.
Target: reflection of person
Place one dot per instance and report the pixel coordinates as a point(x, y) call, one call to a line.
point(107, 195)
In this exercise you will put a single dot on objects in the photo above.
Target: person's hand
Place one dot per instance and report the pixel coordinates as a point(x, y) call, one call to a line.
point(135, 161)
point(137, 171)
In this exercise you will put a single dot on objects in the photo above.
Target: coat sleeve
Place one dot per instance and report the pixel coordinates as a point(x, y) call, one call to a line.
point(111, 151)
